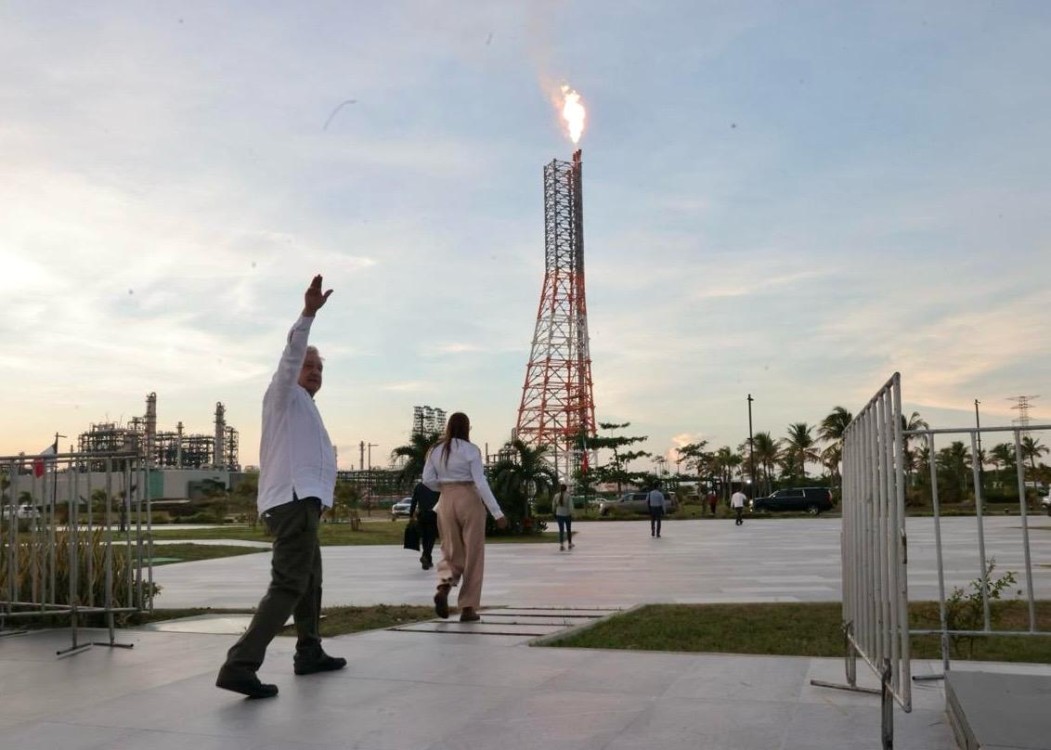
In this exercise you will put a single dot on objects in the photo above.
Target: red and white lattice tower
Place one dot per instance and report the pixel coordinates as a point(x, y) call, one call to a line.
point(557, 403)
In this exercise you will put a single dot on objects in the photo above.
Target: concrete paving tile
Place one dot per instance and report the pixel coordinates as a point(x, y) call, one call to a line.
point(674, 723)
point(461, 664)
point(742, 677)
point(838, 727)
point(48, 735)
point(926, 694)
point(547, 719)
point(619, 672)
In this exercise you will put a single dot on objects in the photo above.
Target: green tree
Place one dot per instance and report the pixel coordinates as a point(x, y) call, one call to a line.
point(415, 454)
point(519, 469)
point(725, 462)
point(695, 454)
point(1032, 449)
point(831, 431)
point(767, 451)
point(345, 501)
point(616, 471)
point(244, 498)
point(800, 444)
point(953, 464)
point(1002, 459)
point(913, 422)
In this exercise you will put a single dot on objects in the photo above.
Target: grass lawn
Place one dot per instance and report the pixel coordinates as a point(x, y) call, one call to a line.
point(169, 554)
point(810, 629)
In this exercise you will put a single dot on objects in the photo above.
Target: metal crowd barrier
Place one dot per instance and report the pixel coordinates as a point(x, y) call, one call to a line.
point(873, 549)
point(75, 540)
point(983, 563)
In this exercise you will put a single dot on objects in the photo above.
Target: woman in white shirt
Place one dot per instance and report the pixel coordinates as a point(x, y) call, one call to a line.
point(454, 468)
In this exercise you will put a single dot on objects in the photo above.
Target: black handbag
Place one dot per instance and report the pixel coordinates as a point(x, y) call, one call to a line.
point(412, 536)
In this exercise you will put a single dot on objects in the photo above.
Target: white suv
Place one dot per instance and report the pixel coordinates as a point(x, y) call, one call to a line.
point(1045, 503)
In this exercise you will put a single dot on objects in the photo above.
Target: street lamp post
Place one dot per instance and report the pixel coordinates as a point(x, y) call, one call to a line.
point(978, 458)
point(751, 445)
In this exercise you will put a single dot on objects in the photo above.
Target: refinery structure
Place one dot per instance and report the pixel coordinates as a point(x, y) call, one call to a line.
point(181, 464)
point(165, 449)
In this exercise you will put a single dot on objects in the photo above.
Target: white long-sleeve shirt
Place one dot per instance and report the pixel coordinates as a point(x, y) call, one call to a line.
point(465, 465)
point(295, 453)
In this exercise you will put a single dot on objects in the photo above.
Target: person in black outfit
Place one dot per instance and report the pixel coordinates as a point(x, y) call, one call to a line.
point(422, 509)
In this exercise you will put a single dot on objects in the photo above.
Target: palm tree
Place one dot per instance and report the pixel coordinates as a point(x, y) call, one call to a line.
point(415, 453)
point(767, 450)
point(724, 462)
point(834, 425)
point(831, 431)
point(954, 462)
point(1032, 450)
point(522, 472)
point(800, 443)
point(1002, 454)
point(913, 422)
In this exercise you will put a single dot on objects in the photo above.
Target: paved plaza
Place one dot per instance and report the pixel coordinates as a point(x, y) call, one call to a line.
point(618, 564)
point(452, 686)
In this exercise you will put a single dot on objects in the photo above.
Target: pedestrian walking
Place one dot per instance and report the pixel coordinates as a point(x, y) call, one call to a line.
point(422, 511)
point(713, 499)
point(737, 501)
point(454, 467)
point(564, 516)
point(297, 476)
point(655, 503)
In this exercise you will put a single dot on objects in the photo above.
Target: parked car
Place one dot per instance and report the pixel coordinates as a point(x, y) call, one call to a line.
point(635, 502)
point(812, 500)
point(400, 509)
point(1045, 503)
point(22, 511)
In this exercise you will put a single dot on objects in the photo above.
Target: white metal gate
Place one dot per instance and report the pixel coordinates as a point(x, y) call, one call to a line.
point(874, 551)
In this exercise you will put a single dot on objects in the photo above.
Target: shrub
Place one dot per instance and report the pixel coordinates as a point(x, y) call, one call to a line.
point(964, 611)
point(89, 589)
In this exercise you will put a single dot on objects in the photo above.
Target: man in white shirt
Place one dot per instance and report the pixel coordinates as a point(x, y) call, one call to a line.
point(737, 501)
point(655, 502)
point(297, 477)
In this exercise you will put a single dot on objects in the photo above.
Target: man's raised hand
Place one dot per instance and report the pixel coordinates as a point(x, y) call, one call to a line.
point(314, 299)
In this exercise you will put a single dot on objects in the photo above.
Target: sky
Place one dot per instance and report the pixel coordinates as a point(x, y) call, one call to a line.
point(788, 200)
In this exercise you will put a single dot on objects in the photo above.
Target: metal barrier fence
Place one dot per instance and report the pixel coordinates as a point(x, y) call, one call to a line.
point(873, 549)
point(983, 564)
point(75, 539)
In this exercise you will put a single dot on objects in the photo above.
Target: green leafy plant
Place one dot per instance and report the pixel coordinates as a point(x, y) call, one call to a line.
point(91, 579)
point(964, 610)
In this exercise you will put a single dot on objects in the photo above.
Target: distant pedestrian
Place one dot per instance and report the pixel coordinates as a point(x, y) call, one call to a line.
point(655, 502)
point(564, 516)
point(297, 476)
point(737, 501)
point(713, 500)
point(422, 511)
point(454, 466)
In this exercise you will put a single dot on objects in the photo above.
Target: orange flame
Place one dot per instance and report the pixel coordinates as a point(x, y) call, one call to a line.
point(573, 113)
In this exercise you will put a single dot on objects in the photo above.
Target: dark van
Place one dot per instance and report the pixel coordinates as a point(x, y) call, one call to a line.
point(812, 500)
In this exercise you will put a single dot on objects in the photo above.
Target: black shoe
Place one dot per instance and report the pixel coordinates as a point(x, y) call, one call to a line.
point(441, 601)
point(245, 683)
point(323, 663)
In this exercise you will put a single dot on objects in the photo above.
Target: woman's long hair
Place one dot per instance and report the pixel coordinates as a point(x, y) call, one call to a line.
point(458, 426)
